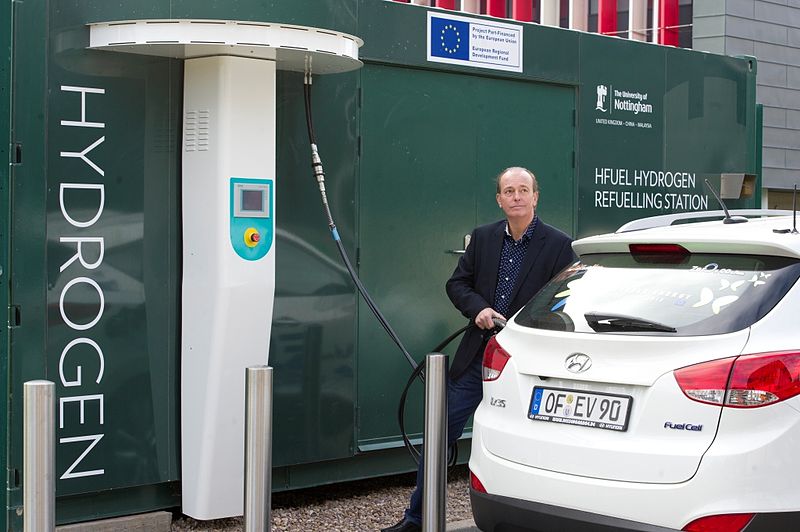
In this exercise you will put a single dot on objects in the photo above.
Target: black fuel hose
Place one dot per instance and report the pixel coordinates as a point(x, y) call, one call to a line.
point(401, 407)
point(417, 369)
point(319, 174)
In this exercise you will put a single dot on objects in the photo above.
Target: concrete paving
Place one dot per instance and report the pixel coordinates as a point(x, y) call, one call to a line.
point(149, 522)
point(467, 525)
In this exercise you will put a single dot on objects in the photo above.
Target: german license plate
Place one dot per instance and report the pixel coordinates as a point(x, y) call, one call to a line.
point(577, 407)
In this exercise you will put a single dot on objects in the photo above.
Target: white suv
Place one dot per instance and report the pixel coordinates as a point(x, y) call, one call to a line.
point(652, 385)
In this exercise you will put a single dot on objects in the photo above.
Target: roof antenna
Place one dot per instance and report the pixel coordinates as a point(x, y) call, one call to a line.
point(728, 218)
point(793, 230)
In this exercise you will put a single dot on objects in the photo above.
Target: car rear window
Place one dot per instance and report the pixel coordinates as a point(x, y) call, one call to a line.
point(694, 294)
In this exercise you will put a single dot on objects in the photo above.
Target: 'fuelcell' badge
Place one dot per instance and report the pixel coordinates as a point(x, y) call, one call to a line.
point(683, 426)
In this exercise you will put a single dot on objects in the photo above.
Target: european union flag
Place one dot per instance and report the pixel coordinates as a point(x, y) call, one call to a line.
point(449, 38)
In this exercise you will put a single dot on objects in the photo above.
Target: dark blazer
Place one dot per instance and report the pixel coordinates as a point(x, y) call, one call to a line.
point(472, 285)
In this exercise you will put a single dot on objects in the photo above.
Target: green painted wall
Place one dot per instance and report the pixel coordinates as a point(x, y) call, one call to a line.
point(432, 143)
point(28, 231)
point(6, 155)
point(702, 105)
point(313, 327)
point(635, 164)
point(410, 150)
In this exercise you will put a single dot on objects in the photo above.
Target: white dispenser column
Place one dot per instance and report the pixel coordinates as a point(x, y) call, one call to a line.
point(228, 271)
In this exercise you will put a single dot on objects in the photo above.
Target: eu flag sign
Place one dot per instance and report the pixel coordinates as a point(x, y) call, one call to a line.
point(474, 42)
point(449, 38)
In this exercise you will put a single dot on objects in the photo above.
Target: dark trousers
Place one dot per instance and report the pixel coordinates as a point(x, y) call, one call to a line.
point(463, 396)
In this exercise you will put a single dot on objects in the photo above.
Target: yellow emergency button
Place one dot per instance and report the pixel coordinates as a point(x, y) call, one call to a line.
point(251, 237)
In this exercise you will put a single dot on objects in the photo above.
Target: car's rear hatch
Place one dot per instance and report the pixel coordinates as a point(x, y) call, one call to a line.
point(606, 336)
point(666, 433)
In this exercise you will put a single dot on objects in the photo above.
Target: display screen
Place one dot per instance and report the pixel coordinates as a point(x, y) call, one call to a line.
point(252, 200)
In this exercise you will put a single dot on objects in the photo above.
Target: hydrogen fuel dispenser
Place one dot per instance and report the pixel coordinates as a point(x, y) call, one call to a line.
point(228, 214)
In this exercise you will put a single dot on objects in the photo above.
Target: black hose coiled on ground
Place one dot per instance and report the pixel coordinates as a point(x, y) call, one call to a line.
point(401, 407)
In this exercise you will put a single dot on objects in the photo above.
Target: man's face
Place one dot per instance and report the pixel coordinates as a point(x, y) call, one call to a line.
point(516, 196)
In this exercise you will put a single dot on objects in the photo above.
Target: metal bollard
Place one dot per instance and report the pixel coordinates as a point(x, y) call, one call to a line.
point(258, 449)
point(39, 456)
point(435, 446)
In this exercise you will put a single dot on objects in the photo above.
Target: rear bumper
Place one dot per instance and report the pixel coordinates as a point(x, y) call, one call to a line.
point(750, 468)
point(494, 513)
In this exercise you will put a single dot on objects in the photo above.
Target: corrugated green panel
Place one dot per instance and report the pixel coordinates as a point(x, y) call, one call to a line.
point(364, 465)
point(137, 168)
point(28, 230)
point(432, 144)
point(417, 197)
point(607, 142)
point(759, 153)
point(129, 393)
point(527, 124)
point(755, 133)
point(312, 348)
point(74, 14)
point(706, 111)
point(649, 136)
point(549, 53)
point(6, 54)
point(338, 15)
point(710, 120)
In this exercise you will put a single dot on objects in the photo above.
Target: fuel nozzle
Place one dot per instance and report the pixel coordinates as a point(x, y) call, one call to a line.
point(319, 173)
point(316, 164)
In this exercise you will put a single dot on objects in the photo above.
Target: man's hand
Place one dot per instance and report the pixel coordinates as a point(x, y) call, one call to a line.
point(484, 318)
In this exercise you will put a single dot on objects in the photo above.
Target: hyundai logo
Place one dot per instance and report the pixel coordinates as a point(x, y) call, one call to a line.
point(578, 362)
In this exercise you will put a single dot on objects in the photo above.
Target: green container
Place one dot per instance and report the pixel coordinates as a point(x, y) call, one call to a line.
point(411, 148)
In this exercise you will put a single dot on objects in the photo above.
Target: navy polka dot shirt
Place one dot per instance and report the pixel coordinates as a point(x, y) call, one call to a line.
point(511, 258)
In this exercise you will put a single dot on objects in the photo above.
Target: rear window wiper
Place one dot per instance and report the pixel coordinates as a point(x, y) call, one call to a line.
point(601, 322)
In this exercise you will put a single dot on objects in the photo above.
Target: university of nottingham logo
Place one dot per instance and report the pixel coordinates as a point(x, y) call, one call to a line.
point(602, 93)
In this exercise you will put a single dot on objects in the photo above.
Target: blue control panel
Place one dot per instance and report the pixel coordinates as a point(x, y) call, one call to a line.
point(252, 224)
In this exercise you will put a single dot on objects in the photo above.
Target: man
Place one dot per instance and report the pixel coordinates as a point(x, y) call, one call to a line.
point(505, 264)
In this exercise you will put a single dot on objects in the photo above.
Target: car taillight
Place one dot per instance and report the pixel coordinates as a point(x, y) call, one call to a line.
point(759, 380)
point(706, 382)
point(494, 360)
point(719, 523)
point(747, 381)
point(659, 253)
point(656, 249)
point(476, 484)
